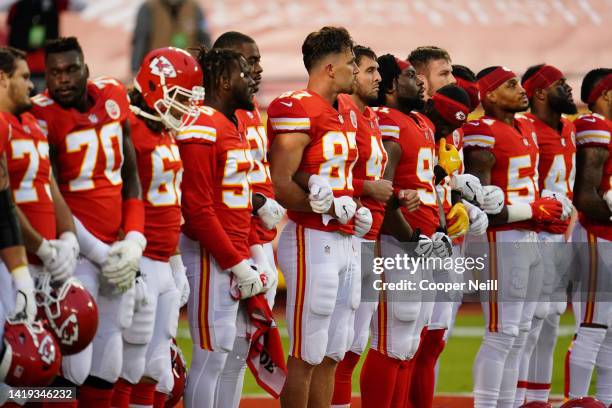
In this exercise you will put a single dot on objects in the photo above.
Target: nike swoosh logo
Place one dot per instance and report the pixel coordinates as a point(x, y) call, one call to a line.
point(590, 119)
point(454, 159)
point(467, 184)
point(287, 104)
point(544, 210)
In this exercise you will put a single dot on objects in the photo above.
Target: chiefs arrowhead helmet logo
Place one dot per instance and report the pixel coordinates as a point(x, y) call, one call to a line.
point(162, 66)
point(47, 350)
point(68, 332)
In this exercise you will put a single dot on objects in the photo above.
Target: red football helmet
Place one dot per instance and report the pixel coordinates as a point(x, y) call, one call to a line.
point(170, 79)
point(536, 404)
point(584, 402)
point(31, 358)
point(179, 371)
point(69, 312)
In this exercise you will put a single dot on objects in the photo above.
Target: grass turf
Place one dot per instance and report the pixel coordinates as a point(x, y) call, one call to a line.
point(455, 363)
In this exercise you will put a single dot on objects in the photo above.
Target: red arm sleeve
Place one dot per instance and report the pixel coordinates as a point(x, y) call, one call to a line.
point(197, 204)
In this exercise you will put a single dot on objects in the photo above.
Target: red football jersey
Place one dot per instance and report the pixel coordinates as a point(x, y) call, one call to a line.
point(557, 163)
point(216, 191)
point(251, 127)
point(161, 171)
point(27, 160)
point(372, 159)
point(332, 151)
point(89, 146)
point(516, 157)
point(594, 130)
point(415, 170)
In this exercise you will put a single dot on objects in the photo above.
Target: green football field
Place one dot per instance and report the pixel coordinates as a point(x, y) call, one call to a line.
point(456, 360)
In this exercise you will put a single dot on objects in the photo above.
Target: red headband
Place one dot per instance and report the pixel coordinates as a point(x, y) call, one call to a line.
point(402, 64)
point(603, 85)
point(493, 80)
point(471, 88)
point(542, 79)
point(451, 111)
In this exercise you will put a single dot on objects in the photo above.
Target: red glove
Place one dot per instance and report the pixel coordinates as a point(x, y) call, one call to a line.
point(546, 209)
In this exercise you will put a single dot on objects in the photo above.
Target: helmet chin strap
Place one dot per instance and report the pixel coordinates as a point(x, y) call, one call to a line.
point(139, 112)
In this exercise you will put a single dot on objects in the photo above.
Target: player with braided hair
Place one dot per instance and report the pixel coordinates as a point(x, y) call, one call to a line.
point(217, 208)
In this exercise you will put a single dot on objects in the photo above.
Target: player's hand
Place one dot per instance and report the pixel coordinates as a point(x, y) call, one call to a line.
point(363, 221)
point(123, 260)
point(493, 200)
point(448, 157)
point(180, 277)
point(442, 245)
point(63, 265)
point(469, 186)
point(141, 293)
point(380, 190)
point(46, 252)
point(409, 199)
point(565, 202)
point(265, 266)
point(546, 209)
point(321, 196)
point(424, 245)
point(271, 213)
point(479, 222)
point(25, 301)
point(459, 221)
point(344, 209)
point(248, 279)
point(608, 199)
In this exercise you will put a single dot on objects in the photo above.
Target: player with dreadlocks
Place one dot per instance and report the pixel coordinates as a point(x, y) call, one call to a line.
point(217, 209)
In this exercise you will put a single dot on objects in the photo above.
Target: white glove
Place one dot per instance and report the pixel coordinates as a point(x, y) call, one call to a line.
point(271, 213)
point(63, 265)
point(479, 222)
point(608, 199)
point(248, 279)
point(494, 199)
point(123, 260)
point(25, 302)
point(363, 221)
point(46, 252)
point(180, 277)
point(424, 245)
point(442, 245)
point(469, 186)
point(566, 203)
point(265, 265)
point(344, 209)
point(141, 293)
point(321, 196)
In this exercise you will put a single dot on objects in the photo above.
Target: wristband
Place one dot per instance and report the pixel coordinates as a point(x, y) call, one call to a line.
point(133, 215)
point(519, 212)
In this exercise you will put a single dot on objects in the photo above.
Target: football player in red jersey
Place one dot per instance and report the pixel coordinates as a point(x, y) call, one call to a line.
point(501, 150)
point(263, 226)
point(146, 344)
point(217, 208)
point(95, 166)
point(433, 66)
point(592, 346)
point(372, 190)
point(314, 145)
point(550, 97)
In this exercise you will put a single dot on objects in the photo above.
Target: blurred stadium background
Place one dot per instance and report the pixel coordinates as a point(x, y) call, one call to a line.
point(574, 35)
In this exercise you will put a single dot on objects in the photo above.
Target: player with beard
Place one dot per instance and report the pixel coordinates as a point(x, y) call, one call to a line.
point(313, 152)
point(42, 211)
point(501, 150)
point(592, 346)
point(263, 226)
point(409, 139)
point(550, 97)
point(373, 191)
point(216, 204)
point(433, 66)
point(95, 166)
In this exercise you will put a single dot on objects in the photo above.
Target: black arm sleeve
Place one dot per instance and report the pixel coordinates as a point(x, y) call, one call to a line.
point(10, 233)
